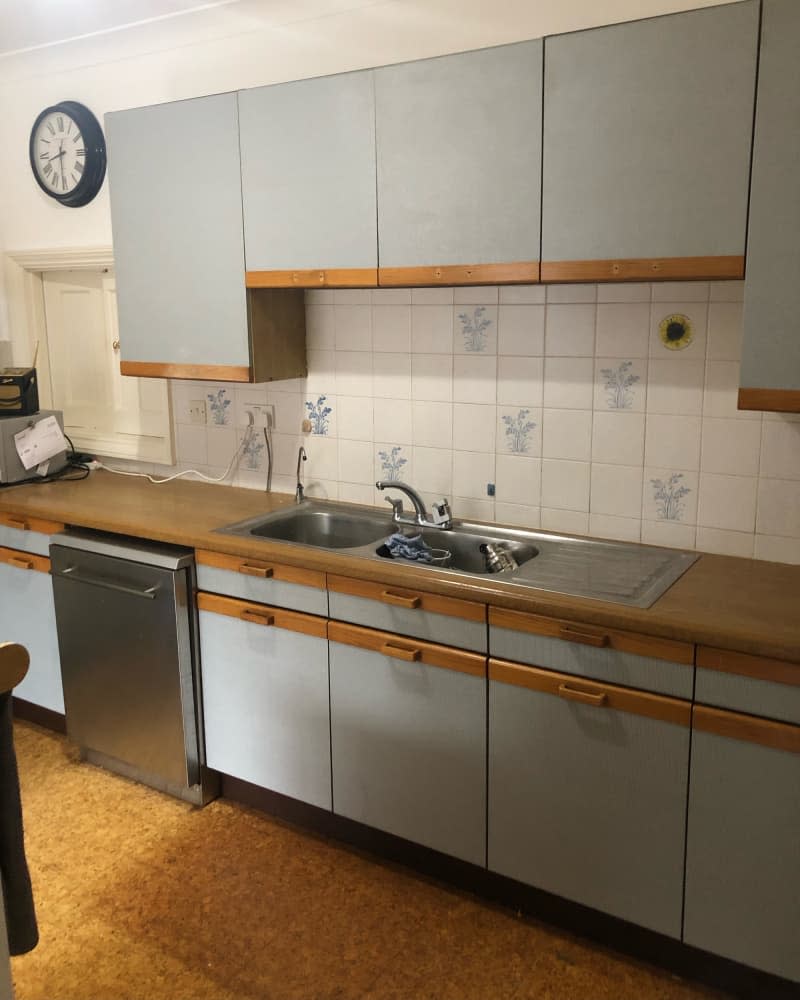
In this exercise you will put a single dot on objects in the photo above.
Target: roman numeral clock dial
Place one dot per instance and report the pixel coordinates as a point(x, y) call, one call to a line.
point(67, 151)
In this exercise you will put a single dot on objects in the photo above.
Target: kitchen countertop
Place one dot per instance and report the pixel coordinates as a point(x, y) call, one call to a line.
point(741, 604)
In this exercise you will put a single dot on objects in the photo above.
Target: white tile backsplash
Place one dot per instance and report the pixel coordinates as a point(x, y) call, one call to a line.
point(569, 331)
point(561, 397)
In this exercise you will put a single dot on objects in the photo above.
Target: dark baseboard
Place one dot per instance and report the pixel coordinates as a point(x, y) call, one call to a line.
point(44, 717)
point(690, 963)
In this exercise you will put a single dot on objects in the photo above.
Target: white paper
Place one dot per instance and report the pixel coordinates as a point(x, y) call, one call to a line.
point(39, 443)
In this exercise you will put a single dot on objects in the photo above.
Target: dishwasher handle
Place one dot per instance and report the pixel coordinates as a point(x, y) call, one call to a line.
point(69, 572)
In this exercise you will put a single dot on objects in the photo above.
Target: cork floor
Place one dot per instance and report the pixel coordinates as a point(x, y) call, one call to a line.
point(141, 897)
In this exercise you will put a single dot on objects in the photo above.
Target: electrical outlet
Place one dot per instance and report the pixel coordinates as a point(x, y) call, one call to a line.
point(263, 414)
point(197, 411)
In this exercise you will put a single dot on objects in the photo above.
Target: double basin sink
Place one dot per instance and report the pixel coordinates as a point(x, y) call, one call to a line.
point(618, 572)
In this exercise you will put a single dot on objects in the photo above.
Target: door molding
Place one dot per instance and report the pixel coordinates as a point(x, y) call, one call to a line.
point(27, 325)
point(23, 271)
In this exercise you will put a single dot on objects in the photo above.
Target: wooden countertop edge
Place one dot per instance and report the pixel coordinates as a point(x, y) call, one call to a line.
point(658, 620)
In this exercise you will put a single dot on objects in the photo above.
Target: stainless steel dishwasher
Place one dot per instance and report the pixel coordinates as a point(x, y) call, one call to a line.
point(127, 635)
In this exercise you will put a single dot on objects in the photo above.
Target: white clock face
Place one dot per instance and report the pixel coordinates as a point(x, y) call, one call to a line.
point(59, 153)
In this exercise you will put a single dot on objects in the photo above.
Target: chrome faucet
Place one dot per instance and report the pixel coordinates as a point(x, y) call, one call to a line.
point(441, 517)
point(299, 494)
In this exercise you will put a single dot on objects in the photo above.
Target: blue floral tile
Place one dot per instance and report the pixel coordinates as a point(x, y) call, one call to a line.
point(519, 431)
point(475, 330)
point(318, 414)
point(253, 452)
point(219, 405)
point(392, 463)
point(670, 496)
point(620, 384)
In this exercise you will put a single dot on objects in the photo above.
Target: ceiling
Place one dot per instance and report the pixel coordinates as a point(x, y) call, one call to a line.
point(35, 23)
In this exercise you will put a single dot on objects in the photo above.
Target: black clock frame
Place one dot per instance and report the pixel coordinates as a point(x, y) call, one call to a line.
point(95, 145)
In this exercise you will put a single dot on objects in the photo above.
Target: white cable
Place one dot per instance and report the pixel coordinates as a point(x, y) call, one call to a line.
point(187, 472)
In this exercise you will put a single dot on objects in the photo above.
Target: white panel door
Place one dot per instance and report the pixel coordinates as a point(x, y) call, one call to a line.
point(104, 411)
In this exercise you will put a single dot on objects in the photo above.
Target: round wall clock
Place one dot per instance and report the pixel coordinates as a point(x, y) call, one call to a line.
point(67, 151)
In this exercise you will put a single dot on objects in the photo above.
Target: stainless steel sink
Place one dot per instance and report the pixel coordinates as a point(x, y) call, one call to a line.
point(619, 572)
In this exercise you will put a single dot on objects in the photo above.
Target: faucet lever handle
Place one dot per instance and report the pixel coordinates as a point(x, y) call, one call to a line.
point(440, 512)
point(397, 506)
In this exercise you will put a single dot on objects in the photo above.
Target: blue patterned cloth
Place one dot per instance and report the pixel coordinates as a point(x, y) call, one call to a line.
point(402, 546)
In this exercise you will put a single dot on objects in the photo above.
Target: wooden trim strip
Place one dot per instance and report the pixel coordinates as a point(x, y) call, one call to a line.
point(287, 574)
point(453, 606)
point(625, 642)
point(24, 523)
point(233, 607)
point(621, 699)
point(643, 269)
point(24, 560)
point(520, 272)
point(775, 400)
point(413, 650)
point(747, 728)
point(331, 277)
point(762, 668)
point(209, 373)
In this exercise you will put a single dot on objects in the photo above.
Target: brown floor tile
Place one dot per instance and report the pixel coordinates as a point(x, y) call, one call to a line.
point(141, 897)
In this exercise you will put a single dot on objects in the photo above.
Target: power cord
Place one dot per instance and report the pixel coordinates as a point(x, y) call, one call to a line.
point(75, 462)
point(187, 472)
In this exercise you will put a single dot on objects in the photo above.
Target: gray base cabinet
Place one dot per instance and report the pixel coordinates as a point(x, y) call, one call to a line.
point(587, 792)
point(408, 724)
point(265, 696)
point(743, 842)
point(27, 616)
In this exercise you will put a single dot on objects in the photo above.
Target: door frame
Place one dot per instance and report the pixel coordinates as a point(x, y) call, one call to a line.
point(23, 271)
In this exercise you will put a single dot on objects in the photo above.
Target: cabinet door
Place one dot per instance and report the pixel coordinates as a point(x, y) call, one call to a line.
point(742, 854)
point(647, 130)
point(308, 181)
point(587, 792)
point(176, 209)
point(265, 697)
point(459, 161)
point(771, 349)
point(408, 738)
point(27, 616)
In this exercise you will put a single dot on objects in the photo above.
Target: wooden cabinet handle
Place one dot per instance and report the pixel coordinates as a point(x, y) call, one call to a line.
point(401, 652)
point(401, 600)
point(587, 638)
point(20, 563)
point(586, 697)
point(12, 522)
point(262, 571)
point(257, 617)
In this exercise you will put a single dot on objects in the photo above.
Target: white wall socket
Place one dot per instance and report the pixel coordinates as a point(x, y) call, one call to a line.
point(263, 414)
point(197, 411)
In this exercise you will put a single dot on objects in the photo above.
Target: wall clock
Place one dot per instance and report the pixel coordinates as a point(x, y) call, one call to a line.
point(67, 151)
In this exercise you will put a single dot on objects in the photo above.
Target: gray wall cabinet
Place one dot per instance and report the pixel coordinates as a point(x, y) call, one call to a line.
point(308, 174)
point(588, 801)
point(647, 130)
point(176, 211)
point(771, 348)
point(459, 158)
point(409, 745)
point(743, 858)
point(265, 695)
